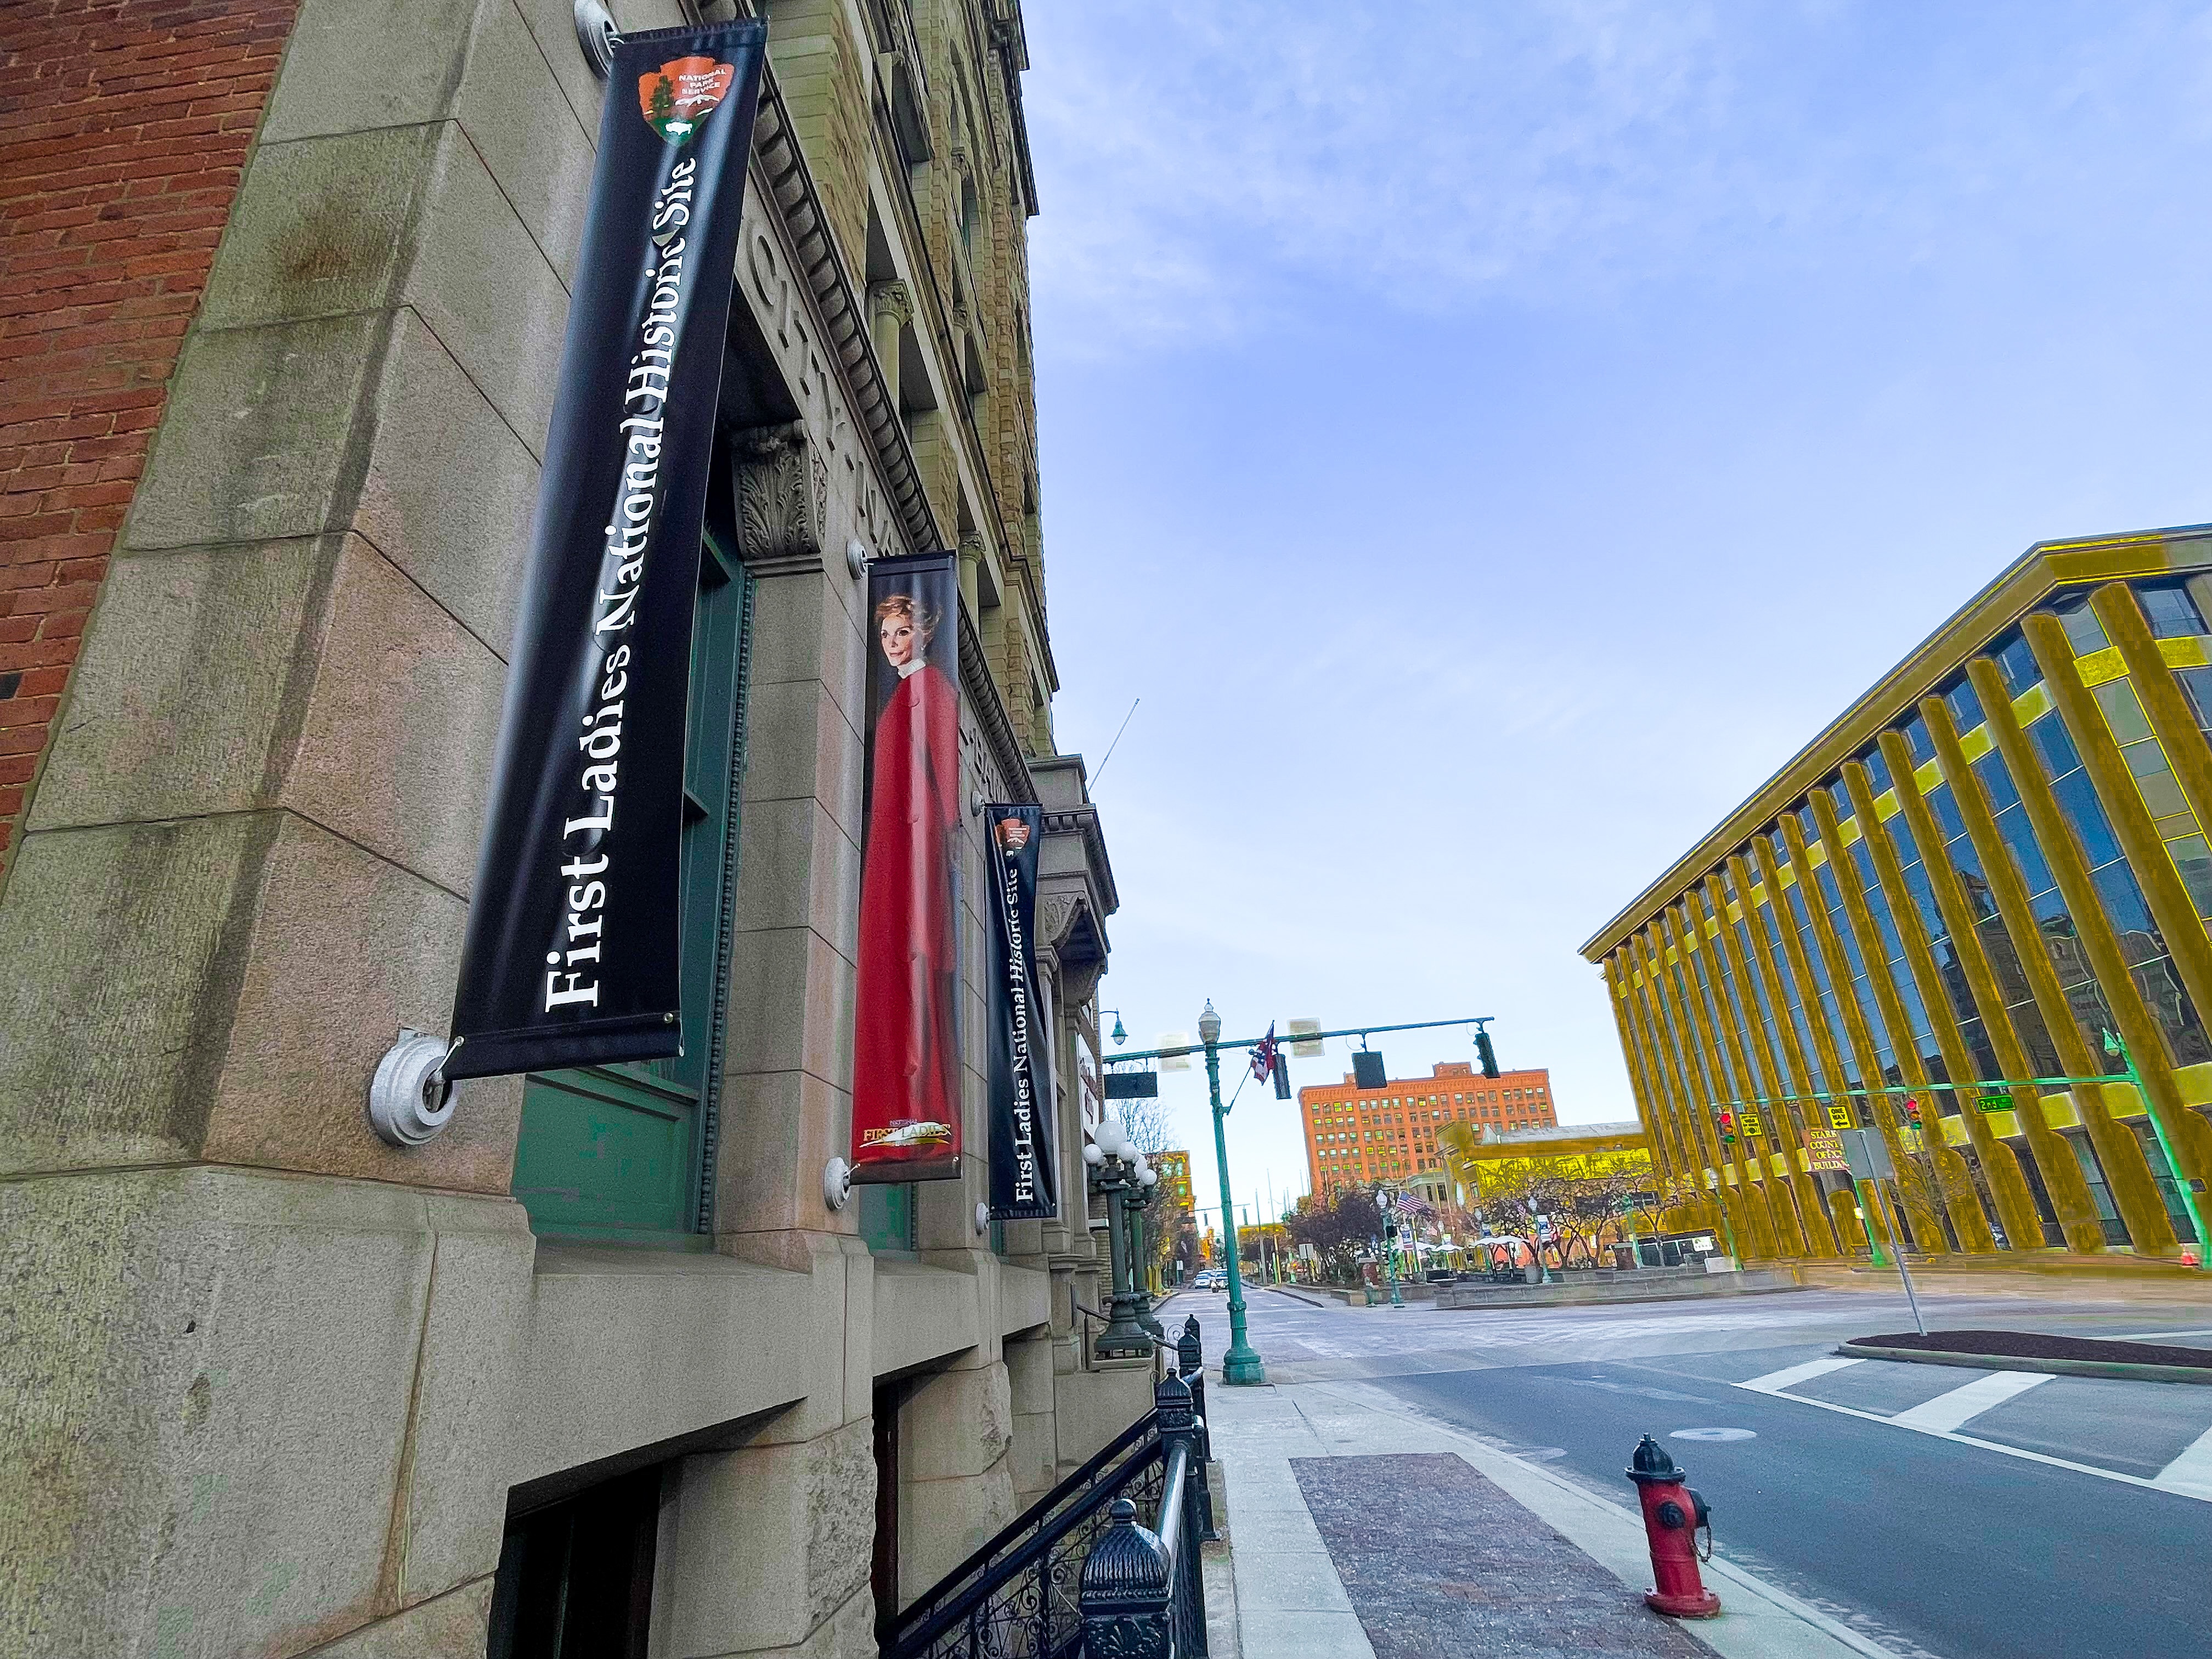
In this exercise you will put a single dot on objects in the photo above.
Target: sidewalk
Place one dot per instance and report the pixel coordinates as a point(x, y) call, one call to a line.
point(1358, 1528)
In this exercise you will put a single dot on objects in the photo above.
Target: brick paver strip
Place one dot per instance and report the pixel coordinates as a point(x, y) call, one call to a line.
point(1440, 1563)
point(2036, 1345)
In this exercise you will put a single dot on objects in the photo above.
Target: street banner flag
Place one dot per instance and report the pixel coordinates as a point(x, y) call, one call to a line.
point(906, 1033)
point(1023, 1186)
point(1263, 1057)
point(571, 954)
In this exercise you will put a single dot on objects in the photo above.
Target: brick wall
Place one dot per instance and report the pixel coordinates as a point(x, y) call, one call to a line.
point(123, 128)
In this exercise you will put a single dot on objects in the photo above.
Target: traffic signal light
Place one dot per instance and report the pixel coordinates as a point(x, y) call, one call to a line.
point(1727, 1127)
point(1487, 1054)
point(1282, 1075)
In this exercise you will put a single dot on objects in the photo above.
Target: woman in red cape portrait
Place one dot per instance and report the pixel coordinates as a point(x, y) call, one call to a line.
point(906, 1098)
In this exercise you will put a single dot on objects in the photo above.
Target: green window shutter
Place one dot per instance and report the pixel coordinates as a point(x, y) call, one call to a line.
point(622, 1153)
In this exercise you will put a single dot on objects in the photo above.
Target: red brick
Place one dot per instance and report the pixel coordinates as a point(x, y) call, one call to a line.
point(38, 653)
point(64, 625)
point(27, 711)
point(130, 124)
point(41, 682)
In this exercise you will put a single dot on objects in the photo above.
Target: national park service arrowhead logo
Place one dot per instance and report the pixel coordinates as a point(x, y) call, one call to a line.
point(682, 93)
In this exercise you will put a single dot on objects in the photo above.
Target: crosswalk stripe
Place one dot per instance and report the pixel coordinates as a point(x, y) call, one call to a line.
point(2190, 1474)
point(1775, 1382)
point(1961, 1405)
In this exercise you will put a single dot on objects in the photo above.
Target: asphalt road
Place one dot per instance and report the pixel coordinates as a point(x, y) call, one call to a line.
point(1927, 1542)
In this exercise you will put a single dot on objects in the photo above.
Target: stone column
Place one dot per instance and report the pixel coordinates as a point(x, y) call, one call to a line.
point(890, 308)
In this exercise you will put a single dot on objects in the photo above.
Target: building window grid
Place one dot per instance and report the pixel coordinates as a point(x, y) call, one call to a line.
point(1924, 1043)
point(1774, 1046)
point(2173, 819)
point(1839, 924)
point(1972, 1032)
point(1793, 1000)
point(1659, 1037)
point(1999, 948)
point(1839, 1035)
point(2054, 921)
point(2143, 945)
point(1759, 1086)
point(1724, 1057)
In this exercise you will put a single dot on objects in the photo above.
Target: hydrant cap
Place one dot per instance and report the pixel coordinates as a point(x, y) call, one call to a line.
point(1651, 1463)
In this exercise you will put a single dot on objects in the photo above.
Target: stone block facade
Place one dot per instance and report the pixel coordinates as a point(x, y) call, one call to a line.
point(287, 289)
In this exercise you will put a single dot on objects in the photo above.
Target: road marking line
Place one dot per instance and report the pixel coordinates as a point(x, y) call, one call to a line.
point(2190, 1474)
point(1775, 1382)
point(1961, 1405)
point(1995, 1446)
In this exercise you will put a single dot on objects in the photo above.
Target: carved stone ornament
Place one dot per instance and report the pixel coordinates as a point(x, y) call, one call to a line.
point(890, 301)
point(783, 494)
point(1054, 913)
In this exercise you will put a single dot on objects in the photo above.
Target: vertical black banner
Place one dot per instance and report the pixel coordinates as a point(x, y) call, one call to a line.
point(571, 955)
point(906, 1023)
point(1022, 1183)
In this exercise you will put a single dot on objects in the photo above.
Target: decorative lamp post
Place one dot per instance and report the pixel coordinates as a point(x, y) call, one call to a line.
point(1107, 1154)
point(1137, 1202)
point(1240, 1364)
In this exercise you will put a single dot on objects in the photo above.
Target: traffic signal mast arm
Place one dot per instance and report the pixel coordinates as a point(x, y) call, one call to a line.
point(1291, 1039)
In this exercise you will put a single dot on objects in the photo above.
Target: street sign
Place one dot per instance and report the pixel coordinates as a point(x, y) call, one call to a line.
point(1307, 1050)
point(1753, 1125)
point(1824, 1149)
point(1995, 1102)
point(1867, 1155)
point(1840, 1117)
point(1133, 1085)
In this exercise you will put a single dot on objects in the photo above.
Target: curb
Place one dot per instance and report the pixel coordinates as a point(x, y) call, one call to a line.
point(2004, 1362)
point(1295, 1297)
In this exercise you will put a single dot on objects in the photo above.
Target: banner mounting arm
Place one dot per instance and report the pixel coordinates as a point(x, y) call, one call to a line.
point(410, 1101)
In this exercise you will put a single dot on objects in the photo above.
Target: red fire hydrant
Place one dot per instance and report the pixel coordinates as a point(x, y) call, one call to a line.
point(1672, 1515)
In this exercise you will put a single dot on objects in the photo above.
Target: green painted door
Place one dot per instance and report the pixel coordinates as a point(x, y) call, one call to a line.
point(620, 1153)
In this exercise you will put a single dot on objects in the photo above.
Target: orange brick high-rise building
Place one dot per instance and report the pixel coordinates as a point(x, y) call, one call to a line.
point(1356, 1135)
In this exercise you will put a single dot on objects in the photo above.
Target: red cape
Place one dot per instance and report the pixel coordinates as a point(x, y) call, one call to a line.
point(905, 1065)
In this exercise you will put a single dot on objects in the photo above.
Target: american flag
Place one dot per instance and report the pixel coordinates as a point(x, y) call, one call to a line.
point(1263, 1057)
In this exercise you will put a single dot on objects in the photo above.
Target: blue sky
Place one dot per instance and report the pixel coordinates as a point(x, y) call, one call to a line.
point(1492, 438)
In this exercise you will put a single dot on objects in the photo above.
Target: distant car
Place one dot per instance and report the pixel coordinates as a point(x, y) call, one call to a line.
point(1214, 1278)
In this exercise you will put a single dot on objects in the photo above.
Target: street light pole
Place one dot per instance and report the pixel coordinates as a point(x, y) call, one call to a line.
point(1240, 1365)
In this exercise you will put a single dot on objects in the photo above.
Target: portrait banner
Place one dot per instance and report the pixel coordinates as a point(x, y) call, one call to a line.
point(905, 1024)
point(1022, 1184)
point(570, 958)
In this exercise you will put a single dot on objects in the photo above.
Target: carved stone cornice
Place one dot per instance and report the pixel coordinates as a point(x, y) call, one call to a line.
point(991, 713)
point(783, 180)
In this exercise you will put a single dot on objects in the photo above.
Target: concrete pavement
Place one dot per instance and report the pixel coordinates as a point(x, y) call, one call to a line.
point(1573, 1585)
point(1871, 1507)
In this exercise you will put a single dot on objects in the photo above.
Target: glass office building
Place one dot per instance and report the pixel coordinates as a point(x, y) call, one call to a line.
point(1970, 915)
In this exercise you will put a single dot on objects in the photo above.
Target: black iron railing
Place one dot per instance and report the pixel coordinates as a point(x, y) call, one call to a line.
point(1142, 1593)
point(1029, 1593)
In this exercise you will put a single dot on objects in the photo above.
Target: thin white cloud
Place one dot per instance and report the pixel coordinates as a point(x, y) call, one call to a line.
point(1203, 160)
